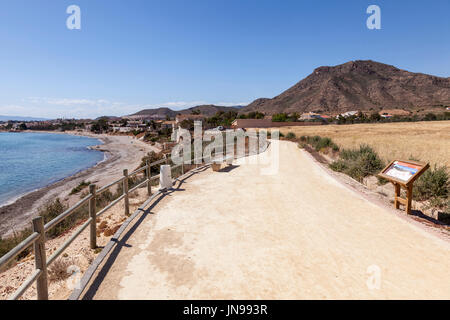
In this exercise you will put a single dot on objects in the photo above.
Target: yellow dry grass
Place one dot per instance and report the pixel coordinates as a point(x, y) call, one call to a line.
point(426, 141)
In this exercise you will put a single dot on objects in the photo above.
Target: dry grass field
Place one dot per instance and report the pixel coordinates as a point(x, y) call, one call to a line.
point(427, 141)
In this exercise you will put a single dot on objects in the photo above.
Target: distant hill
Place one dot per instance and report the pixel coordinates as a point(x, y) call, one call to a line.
point(19, 118)
point(357, 85)
point(208, 110)
point(109, 118)
point(162, 113)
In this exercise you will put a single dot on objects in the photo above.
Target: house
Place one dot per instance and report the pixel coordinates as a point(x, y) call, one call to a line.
point(313, 116)
point(18, 126)
point(122, 129)
point(309, 116)
point(349, 114)
point(136, 124)
point(168, 124)
point(194, 117)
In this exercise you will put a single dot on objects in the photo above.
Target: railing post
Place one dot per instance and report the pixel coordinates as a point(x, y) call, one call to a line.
point(93, 216)
point(125, 192)
point(40, 259)
point(182, 167)
point(149, 175)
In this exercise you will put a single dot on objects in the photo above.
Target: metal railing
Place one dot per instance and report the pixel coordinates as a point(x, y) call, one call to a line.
point(38, 238)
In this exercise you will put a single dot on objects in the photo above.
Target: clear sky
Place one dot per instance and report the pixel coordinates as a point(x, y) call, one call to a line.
point(137, 54)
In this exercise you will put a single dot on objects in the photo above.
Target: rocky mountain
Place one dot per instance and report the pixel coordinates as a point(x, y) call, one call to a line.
point(162, 113)
point(158, 113)
point(358, 85)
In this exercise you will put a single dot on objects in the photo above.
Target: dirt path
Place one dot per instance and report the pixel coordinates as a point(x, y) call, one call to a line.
point(298, 234)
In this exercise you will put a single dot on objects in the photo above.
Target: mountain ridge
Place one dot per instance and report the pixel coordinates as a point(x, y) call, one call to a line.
point(207, 110)
point(357, 85)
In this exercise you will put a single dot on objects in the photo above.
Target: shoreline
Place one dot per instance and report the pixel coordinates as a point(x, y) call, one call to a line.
point(120, 152)
point(105, 157)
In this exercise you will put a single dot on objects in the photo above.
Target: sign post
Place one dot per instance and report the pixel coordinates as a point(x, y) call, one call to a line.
point(402, 174)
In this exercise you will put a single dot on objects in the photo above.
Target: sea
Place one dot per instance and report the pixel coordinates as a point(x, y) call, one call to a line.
point(30, 161)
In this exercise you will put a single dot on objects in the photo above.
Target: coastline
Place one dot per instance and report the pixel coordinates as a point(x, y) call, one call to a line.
point(121, 152)
point(18, 197)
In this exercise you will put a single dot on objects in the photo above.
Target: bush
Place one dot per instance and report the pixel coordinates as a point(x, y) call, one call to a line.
point(290, 135)
point(358, 163)
point(432, 183)
point(339, 166)
point(323, 143)
point(320, 143)
point(59, 270)
point(152, 157)
point(9, 243)
point(53, 209)
point(280, 117)
point(83, 184)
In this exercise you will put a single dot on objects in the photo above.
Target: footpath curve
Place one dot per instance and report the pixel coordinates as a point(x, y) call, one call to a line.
point(298, 234)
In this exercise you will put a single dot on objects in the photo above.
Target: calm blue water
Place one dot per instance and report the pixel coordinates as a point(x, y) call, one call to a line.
point(29, 161)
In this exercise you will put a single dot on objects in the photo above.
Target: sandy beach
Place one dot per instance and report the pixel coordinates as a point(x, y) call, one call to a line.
point(122, 152)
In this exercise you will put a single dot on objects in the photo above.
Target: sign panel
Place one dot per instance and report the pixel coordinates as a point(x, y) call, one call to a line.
point(403, 172)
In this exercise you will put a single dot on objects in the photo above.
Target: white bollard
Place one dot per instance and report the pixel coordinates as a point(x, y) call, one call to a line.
point(165, 177)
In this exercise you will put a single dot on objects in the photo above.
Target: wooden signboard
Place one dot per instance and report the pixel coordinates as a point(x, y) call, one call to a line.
point(403, 173)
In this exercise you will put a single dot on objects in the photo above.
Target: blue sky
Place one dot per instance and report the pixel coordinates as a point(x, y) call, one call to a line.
point(134, 54)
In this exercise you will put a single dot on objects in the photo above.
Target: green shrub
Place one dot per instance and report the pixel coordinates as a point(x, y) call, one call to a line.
point(358, 163)
point(323, 143)
point(53, 209)
point(9, 243)
point(83, 184)
point(290, 135)
point(433, 183)
point(280, 117)
point(335, 147)
point(339, 166)
point(152, 157)
point(320, 143)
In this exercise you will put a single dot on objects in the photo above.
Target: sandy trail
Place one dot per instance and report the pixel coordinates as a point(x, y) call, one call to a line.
point(298, 234)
